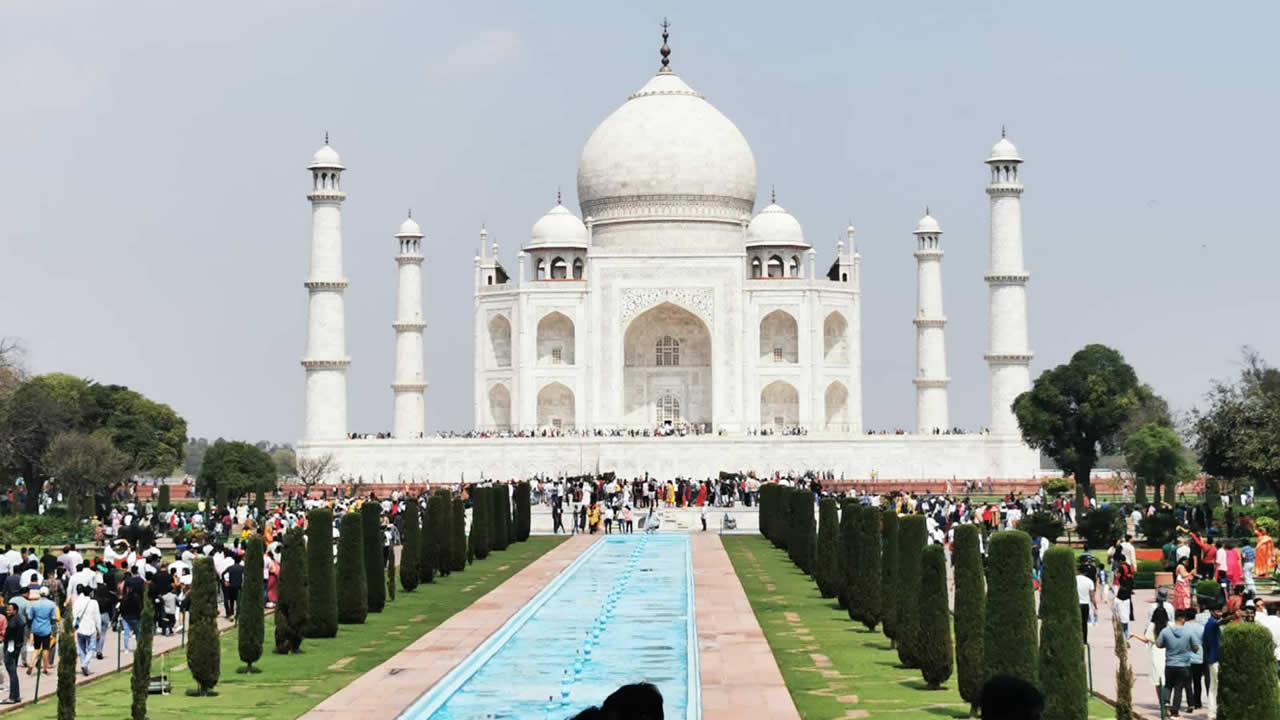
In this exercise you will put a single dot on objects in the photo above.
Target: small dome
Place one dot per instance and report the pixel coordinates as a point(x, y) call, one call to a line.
point(326, 157)
point(409, 228)
point(1004, 151)
point(558, 228)
point(775, 226)
point(928, 225)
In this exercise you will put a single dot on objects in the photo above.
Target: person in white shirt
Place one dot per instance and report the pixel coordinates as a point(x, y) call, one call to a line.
point(1088, 602)
point(86, 618)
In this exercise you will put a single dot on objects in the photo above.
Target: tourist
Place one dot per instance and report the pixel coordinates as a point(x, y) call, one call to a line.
point(1212, 638)
point(232, 581)
point(1085, 593)
point(132, 594)
point(1182, 584)
point(43, 618)
point(15, 633)
point(1198, 674)
point(1178, 644)
point(85, 619)
point(702, 514)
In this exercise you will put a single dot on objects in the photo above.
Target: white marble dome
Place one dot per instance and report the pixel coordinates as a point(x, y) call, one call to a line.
point(928, 225)
point(1004, 151)
point(775, 226)
point(558, 228)
point(667, 152)
point(409, 228)
point(326, 157)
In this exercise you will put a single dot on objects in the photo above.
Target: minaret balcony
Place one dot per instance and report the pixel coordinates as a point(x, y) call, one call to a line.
point(410, 259)
point(1004, 188)
point(313, 364)
point(325, 284)
point(326, 196)
point(408, 386)
point(408, 325)
point(931, 382)
point(1007, 278)
point(1008, 358)
point(930, 322)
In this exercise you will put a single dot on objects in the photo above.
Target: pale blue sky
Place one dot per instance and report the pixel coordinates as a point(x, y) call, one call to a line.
point(154, 230)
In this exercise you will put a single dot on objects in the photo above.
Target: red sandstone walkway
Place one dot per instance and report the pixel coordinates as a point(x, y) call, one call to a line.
point(1102, 643)
point(740, 678)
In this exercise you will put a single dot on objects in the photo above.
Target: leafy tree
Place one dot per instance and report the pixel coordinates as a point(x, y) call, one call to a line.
point(1042, 523)
point(828, 572)
point(1066, 697)
point(293, 595)
point(933, 651)
point(523, 503)
point(889, 576)
point(866, 579)
point(204, 647)
point(458, 530)
point(970, 614)
point(849, 558)
point(67, 668)
point(322, 620)
point(1247, 674)
point(1073, 412)
point(39, 409)
point(371, 525)
point(1151, 409)
point(353, 592)
point(410, 538)
point(84, 465)
point(911, 540)
point(236, 469)
point(1101, 527)
point(286, 461)
point(1009, 640)
point(140, 677)
point(1155, 453)
point(150, 433)
point(480, 524)
point(250, 623)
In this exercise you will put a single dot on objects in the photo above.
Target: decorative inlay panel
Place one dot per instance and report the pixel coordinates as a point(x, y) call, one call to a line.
point(699, 301)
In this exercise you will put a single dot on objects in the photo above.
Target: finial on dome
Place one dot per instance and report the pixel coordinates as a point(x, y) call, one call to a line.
point(666, 49)
point(558, 196)
point(326, 137)
point(773, 195)
point(410, 213)
point(1001, 130)
point(926, 209)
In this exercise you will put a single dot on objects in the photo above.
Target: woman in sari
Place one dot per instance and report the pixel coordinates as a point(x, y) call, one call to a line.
point(1264, 563)
point(1182, 585)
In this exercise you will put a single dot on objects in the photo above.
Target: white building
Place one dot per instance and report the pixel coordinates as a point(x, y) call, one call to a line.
point(671, 306)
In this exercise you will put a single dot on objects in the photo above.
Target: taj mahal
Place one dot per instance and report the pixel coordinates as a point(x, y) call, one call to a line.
point(669, 327)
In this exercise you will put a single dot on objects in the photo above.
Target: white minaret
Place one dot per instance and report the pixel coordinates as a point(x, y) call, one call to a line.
point(931, 348)
point(326, 360)
point(1008, 350)
point(409, 384)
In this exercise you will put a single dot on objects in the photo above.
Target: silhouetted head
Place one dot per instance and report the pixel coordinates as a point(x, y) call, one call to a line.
point(1009, 698)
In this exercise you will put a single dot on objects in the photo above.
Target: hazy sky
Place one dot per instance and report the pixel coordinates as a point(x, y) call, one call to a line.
point(154, 230)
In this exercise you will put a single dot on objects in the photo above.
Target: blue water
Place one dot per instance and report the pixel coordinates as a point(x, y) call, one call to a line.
point(621, 613)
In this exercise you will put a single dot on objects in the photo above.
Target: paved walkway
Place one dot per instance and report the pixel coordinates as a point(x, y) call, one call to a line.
point(389, 689)
point(1102, 642)
point(740, 678)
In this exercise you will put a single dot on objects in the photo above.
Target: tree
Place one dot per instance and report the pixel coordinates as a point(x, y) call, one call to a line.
point(1074, 412)
point(193, 455)
point(1061, 643)
point(250, 623)
point(84, 465)
point(849, 558)
point(1237, 434)
point(442, 529)
point(497, 496)
point(911, 540)
point(293, 596)
point(353, 592)
point(1247, 674)
point(1009, 639)
point(480, 525)
point(866, 580)
point(140, 677)
point(322, 621)
point(39, 409)
point(1155, 453)
point(889, 576)
point(1124, 672)
point(237, 469)
point(970, 614)
point(410, 537)
point(164, 503)
point(458, 528)
point(429, 541)
point(523, 502)
point(1151, 409)
point(150, 433)
point(391, 575)
point(828, 571)
point(933, 651)
point(67, 668)
point(371, 526)
point(800, 542)
point(312, 471)
point(204, 647)
point(285, 460)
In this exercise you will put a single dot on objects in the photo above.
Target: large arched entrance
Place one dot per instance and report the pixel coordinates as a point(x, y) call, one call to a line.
point(555, 407)
point(779, 406)
point(500, 407)
point(666, 374)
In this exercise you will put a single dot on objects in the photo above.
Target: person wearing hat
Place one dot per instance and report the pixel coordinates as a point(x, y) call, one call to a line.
point(43, 617)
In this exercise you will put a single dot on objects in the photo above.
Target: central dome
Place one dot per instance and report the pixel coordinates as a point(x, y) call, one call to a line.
point(667, 153)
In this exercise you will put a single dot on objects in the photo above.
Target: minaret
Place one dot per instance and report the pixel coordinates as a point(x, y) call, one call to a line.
point(1008, 350)
point(931, 348)
point(410, 405)
point(326, 360)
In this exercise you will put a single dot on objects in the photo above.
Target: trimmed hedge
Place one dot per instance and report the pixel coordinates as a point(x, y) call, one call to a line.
point(889, 576)
point(292, 595)
point(1066, 697)
point(1101, 527)
point(800, 542)
point(911, 540)
point(323, 619)
point(429, 541)
point(1247, 674)
point(866, 591)
point(933, 649)
point(828, 572)
point(478, 542)
point(410, 539)
point(375, 580)
point(970, 614)
point(498, 518)
point(1009, 639)
point(164, 504)
point(204, 647)
point(849, 558)
point(353, 591)
point(250, 622)
point(524, 500)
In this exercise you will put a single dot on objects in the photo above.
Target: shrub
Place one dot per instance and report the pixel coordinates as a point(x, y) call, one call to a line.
point(163, 504)
point(1100, 527)
point(800, 544)
point(204, 647)
point(849, 558)
point(1009, 640)
point(67, 667)
point(292, 595)
point(1158, 529)
point(933, 652)
point(1061, 642)
point(970, 614)
point(1057, 485)
point(1247, 674)
point(249, 615)
point(391, 575)
point(441, 520)
point(480, 525)
point(375, 582)
point(889, 576)
point(1041, 523)
point(911, 539)
point(497, 496)
point(322, 622)
point(353, 592)
point(410, 537)
point(140, 673)
point(1206, 592)
point(523, 502)
point(866, 580)
point(828, 570)
point(429, 541)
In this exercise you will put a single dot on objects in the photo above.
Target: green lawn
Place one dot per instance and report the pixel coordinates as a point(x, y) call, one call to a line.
point(291, 685)
point(831, 664)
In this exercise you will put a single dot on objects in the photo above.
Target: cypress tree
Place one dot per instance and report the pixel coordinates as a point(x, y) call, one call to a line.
point(322, 622)
point(766, 510)
point(911, 539)
point(140, 673)
point(1066, 697)
point(164, 504)
point(523, 501)
point(801, 544)
point(849, 558)
point(292, 596)
point(497, 523)
point(442, 531)
point(410, 537)
point(866, 579)
point(67, 666)
point(391, 575)
point(1247, 674)
point(933, 651)
point(970, 614)
point(429, 540)
point(204, 646)
point(1009, 640)
point(480, 524)
point(249, 616)
point(828, 570)
point(375, 582)
point(353, 591)
point(889, 576)
point(458, 530)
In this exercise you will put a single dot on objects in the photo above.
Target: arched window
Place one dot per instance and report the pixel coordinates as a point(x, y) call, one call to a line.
point(775, 267)
point(577, 268)
point(667, 409)
point(794, 268)
point(668, 352)
point(756, 269)
point(559, 269)
point(542, 269)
